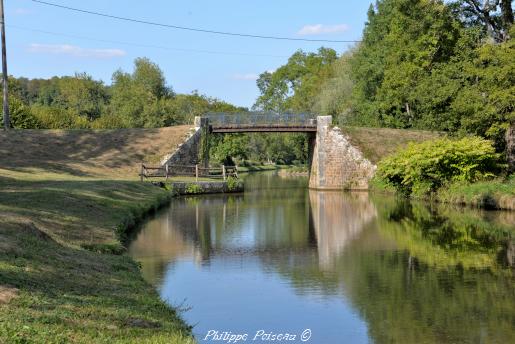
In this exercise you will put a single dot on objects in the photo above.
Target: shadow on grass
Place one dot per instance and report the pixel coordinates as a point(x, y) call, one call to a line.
point(80, 212)
point(53, 150)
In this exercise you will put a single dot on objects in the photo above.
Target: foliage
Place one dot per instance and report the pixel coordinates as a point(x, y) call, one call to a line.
point(335, 93)
point(493, 194)
point(137, 99)
point(494, 17)
point(193, 189)
point(423, 168)
point(263, 148)
point(234, 184)
point(58, 118)
point(294, 86)
point(20, 115)
point(403, 41)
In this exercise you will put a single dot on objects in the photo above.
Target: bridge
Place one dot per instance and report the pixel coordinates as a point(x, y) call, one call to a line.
point(335, 163)
point(252, 122)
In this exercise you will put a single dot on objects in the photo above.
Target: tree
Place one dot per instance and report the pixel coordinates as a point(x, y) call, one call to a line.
point(494, 16)
point(294, 86)
point(82, 95)
point(335, 94)
point(404, 41)
point(140, 98)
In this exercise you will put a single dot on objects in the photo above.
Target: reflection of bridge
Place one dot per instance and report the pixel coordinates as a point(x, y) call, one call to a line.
point(260, 122)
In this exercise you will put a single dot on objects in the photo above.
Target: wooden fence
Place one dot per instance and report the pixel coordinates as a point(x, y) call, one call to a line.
point(196, 171)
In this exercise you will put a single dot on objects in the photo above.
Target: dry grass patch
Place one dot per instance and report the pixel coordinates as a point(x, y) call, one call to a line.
point(7, 294)
point(95, 153)
point(376, 143)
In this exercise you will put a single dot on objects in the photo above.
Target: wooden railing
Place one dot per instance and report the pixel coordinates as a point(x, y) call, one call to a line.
point(196, 171)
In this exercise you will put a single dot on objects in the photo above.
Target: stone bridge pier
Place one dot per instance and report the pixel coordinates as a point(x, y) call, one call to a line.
point(335, 164)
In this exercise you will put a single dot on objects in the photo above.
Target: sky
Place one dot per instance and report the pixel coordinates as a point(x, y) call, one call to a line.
point(44, 41)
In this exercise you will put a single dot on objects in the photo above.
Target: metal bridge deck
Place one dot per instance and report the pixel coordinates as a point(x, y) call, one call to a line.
point(260, 122)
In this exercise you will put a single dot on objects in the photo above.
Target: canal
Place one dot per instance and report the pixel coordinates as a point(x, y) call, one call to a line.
point(331, 267)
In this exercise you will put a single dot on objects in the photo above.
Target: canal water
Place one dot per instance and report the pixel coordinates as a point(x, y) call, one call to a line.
point(330, 267)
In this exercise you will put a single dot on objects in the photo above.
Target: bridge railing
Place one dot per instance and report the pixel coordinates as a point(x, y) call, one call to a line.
point(196, 171)
point(260, 119)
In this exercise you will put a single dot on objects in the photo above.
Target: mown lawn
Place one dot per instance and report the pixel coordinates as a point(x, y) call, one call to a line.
point(64, 276)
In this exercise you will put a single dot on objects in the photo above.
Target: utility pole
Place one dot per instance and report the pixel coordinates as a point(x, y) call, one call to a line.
point(7, 121)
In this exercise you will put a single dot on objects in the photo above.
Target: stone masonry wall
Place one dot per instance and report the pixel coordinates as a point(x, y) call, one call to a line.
point(510, 148)
point(336, 164)
point(186, 153)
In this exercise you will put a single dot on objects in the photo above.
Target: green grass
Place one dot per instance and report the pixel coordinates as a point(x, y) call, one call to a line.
point(67, 201)
point(492, 194)
point(257, 168)
point(54, 235)
point(495, 194)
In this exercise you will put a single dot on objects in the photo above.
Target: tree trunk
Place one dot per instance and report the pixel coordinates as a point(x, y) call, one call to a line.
point(507, 17)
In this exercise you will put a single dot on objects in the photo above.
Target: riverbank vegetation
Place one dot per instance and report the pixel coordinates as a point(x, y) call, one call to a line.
point(67, 199)
point(466, 171)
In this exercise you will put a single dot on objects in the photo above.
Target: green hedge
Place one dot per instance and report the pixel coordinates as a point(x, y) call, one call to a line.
point(425, 167)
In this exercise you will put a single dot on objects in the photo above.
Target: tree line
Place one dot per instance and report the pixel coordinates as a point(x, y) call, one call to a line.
point(422, 64)
point(139, 99)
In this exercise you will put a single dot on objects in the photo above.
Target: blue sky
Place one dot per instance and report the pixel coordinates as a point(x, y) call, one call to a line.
point(227, 70)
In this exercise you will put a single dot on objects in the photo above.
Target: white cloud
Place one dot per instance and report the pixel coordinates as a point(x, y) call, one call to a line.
point(21, 11)
point(248, 76)
point(76, 51)
point(320, 29)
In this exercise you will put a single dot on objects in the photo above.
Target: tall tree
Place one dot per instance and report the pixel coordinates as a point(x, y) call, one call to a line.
point(403, 41)
point(294, 86)
point(495, 16)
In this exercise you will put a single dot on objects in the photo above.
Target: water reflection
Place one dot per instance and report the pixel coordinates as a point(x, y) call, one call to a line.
point(338, 220)
point(350, 267)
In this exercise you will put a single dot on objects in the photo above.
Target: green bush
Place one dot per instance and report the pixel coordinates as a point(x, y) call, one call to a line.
point(20, 115)
point(193, 189)
point(58, 118)
point(233, 184)
point(422, 168)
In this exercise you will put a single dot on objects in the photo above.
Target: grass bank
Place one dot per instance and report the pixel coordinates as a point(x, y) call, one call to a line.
point(67, 199)
point(257, 168)
point(498, 194)
point(494, 194)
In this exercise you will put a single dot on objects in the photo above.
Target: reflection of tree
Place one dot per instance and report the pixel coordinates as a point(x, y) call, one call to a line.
point(404, 300)
point(444, 236)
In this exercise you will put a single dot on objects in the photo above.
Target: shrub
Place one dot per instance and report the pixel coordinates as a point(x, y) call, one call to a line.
point(20, 115)
point(233, 184)
point(109, 121)
point(57, 118)
point(424, 167)
point(193, 189)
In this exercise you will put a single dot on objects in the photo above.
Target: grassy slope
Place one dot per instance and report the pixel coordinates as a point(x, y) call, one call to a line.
point(65, 196)
point(376, 143)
